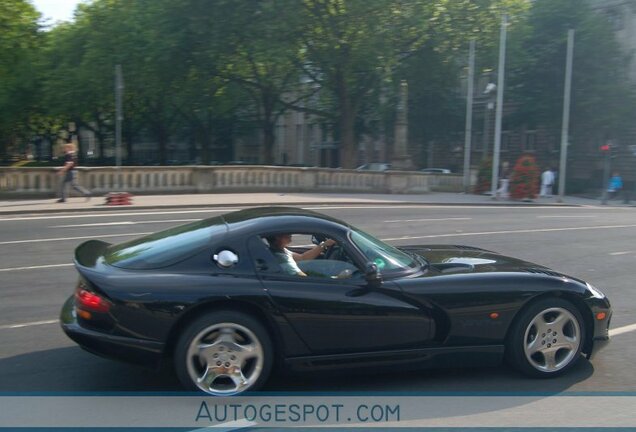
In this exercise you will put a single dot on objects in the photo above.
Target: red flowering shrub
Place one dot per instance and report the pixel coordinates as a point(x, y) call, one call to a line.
point(484, 176)
point(524, 182)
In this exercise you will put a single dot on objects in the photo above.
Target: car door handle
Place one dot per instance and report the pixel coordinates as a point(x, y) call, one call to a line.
point(261, 265)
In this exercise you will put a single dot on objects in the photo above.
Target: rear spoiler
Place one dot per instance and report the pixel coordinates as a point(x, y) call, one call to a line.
point(87, 253)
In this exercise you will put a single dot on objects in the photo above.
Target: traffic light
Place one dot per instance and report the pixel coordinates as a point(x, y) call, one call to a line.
point(605, 148)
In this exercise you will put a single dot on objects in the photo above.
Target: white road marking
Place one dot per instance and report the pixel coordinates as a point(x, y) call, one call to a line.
point(382, 206)
point(563, 216)
point(93, 237)
point(94, 224)
point(29, 324)
point(109, 214)
point(427, 220)
point(621, 330)
point(233, 424)
point(436, 206)
point(123, 223)
point(384, 239)
point(621, 253)
point(35, 267)
point(509, 232)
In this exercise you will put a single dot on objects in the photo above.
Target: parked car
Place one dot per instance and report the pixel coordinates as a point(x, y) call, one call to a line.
point(435, 171)
point(212, 297)
point(374, 166)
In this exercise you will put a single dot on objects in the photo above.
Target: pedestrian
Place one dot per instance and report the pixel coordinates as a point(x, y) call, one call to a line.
point(504, 181)
point(615, 185)
point(69, 173)
point(547, 182)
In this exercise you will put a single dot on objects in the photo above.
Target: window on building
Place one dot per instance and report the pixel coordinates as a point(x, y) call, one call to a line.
point(530, 141)
point(299, 134)
point(553, 144)
point(478, 141)
point(505, 141)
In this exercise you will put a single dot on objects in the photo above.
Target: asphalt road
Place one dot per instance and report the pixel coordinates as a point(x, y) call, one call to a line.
point(595, 244)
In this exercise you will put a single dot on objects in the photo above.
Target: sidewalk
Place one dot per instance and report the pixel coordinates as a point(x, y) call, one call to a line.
point(147, 202)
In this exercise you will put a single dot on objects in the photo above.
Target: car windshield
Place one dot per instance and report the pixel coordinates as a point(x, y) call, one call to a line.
point(166, 247)
point(386, 257)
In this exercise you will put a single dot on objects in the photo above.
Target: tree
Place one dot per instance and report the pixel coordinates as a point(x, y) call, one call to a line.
point(20, 42)
point(353, 48)
point(261, 54)
point(434, 73)
point(602, 101)
point(349, 47)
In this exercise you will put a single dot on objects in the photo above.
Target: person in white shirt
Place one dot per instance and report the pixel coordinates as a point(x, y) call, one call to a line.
point(547, 181)
point(278, 245)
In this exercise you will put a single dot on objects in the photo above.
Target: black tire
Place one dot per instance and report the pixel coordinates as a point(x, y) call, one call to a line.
point(226, 336)
point(546, 338)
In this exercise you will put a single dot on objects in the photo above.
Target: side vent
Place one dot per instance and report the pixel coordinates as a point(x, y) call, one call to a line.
point(464, 247)
point(543, 271)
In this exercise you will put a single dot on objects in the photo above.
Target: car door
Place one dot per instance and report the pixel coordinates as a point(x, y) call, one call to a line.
point(342, 315)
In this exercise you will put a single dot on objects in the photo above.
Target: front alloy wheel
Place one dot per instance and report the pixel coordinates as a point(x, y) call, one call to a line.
point(547, 338)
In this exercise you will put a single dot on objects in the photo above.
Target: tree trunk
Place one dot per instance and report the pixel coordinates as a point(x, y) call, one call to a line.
point(269, 123)
point(347, 126)
point(205, 140)
point(80, 150)
point(129, 138)
point(162, 142)
point(269, 141)
point(101, 146)
point(192, 145)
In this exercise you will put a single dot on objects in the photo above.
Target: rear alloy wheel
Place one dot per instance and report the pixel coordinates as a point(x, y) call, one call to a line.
point(546, 339)
point(224, 353)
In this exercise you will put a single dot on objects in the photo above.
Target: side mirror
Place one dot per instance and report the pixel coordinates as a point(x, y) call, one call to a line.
point(372, 275)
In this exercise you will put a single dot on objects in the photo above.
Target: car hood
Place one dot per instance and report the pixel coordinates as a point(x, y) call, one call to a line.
point(467, 259)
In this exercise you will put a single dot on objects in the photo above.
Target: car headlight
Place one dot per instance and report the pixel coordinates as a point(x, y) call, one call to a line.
point(595, 291)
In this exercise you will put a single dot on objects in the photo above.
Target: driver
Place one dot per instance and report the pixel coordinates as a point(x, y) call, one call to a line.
point(278, 245)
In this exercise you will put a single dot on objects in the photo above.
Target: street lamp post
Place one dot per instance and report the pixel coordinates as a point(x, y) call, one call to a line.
point(489, 104)
point(606, 150)
point(500, 87)
point(566, 115)
point(119, 88)
point(469, 115)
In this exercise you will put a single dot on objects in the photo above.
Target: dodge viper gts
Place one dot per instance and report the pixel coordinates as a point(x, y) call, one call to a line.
point(214, 300)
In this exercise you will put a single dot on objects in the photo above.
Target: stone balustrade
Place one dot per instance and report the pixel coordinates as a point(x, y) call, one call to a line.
point(25, 182)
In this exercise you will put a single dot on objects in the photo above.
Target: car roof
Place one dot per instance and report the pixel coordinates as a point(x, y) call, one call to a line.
point(281, 219)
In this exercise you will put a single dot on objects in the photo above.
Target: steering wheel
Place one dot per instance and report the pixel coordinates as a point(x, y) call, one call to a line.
point(334, 252)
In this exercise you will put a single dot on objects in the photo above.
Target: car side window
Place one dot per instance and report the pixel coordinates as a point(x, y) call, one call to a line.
point(303, 255)
point(264, 260)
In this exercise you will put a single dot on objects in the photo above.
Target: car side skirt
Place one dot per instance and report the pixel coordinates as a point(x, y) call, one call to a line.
point(487, 355)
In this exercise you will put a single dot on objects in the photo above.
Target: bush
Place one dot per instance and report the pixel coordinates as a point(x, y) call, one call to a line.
point(524, 182)
point(484, 176)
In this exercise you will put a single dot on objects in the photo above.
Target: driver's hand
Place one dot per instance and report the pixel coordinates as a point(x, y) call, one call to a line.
point(329, 242)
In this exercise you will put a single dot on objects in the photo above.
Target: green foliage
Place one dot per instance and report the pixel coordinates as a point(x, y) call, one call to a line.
point(602, 100)
point(207, 71)
point(524, 182)
point(484, 176)
point(20, 42)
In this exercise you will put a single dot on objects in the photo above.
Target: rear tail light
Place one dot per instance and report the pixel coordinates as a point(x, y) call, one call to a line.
point(88, 300)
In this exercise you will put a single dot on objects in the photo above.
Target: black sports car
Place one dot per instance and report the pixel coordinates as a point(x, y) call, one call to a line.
point(226, 303)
